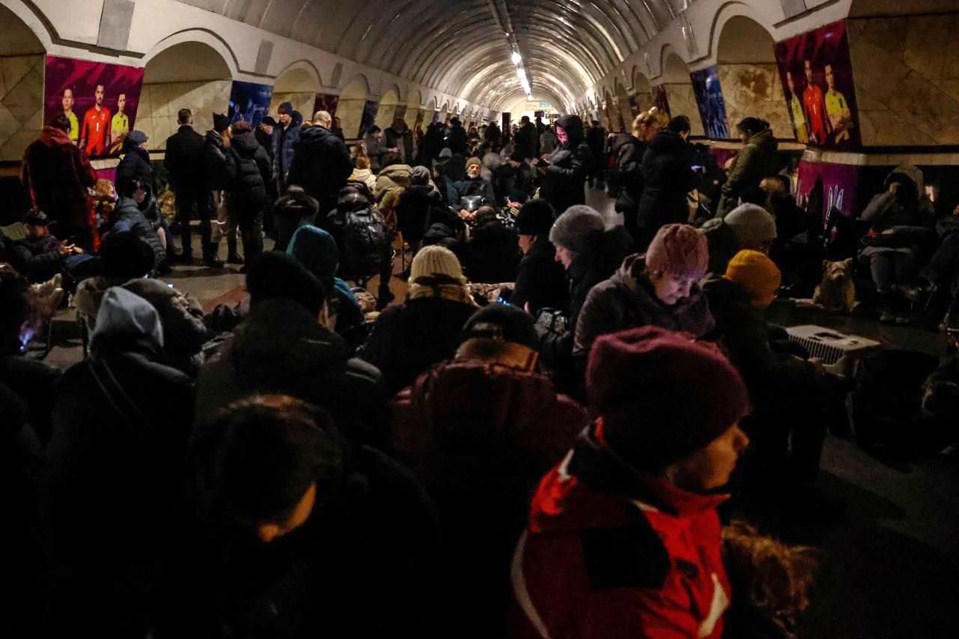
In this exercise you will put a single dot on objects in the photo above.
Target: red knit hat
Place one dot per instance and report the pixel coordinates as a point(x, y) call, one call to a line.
point(662, 396)
point(678, 249)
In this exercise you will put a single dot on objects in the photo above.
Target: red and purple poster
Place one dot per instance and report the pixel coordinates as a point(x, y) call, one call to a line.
point(99, 100)
point(325, 102)
point(816, 73)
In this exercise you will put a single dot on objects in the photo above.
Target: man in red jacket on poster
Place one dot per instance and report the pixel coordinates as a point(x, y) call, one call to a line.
point(95, 131)
point(623, 538)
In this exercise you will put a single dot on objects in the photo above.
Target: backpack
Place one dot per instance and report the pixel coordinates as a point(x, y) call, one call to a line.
point(364, 243)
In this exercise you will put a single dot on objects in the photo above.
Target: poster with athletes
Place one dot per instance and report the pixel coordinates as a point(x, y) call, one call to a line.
point(99, 100)
point(816, 73)
point(249, 102)
point(712, 105)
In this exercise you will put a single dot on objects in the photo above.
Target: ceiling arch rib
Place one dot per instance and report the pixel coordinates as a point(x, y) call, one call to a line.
point(458, 47)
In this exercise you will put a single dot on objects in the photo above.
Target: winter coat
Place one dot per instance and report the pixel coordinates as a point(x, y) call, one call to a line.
point(409, 338)
point(128, 217)
point(756, 161)
point(183, 161)
point(525, 141)
point(285, 142)
point(413, 211)
point(564, 183)
point(375, 149)
point(215, 175)
point(490, 255)
point(365, 176)
point(363, 564)
point(627, 300)
point(321, 165)
point(458, 140)
point(629, 179)
point(280, 348)
point(909, 207)
point(540, 279)
point(56, 175)
point(612, 552)
point(472, 186)
point(433, 143)
point(249, 170)
point(390, 185)
point(121, 422)
point(402, 140)
point(480, 436)
point(37, 259)
point(35, 383)
point(135, 165)
point(667, 178)
point(548, 143)
point(596, 139)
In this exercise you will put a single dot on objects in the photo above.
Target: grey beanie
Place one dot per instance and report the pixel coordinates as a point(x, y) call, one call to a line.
point(572, 228)
point(753, 225)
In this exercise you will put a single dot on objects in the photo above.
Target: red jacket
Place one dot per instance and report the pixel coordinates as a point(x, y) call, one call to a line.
point(57, 175)
point(611, 553)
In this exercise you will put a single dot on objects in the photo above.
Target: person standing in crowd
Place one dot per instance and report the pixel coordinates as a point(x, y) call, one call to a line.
point(433, 143)
point(337, 128)
point(95, 131)
point(374, 147)
point(493, 135)
point(135, 163)
point(564, 178)
point(183, 161)
point(322, 163)
point(540, 279)
point(457, 139)
point(56, 175)
point(623, 538)
point(756, 160)
point(668, 177)
point(629, 180)
point(525, 139)
point(660, 288)
point(264, 135)
point(249, 170)
point(596, 139)
point(285, 139)
point(399, 139)
point(215, 181)
point(548, 143)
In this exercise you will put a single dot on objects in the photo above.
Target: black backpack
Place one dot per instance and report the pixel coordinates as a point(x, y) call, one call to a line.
point(364, 243)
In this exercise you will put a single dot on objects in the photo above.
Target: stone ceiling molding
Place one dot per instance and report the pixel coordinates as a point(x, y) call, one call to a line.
point(202, 36)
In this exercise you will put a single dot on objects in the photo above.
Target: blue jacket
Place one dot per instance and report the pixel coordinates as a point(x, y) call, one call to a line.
point(283, 143)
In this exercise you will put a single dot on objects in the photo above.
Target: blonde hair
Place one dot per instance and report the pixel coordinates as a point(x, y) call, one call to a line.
point(649, 123)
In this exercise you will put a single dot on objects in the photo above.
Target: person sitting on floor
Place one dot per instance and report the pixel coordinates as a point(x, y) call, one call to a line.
point(40, 256)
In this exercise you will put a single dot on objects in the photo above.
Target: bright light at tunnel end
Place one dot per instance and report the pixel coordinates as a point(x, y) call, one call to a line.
point(516, 57)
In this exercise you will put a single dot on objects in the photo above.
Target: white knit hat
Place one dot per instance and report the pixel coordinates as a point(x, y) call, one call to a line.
point(436, 260)
point(753, 225)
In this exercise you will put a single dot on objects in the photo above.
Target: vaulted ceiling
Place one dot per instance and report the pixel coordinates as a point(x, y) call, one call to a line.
point(461, 47)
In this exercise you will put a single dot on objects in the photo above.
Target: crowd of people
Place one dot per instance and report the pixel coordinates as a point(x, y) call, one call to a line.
point(556, 458)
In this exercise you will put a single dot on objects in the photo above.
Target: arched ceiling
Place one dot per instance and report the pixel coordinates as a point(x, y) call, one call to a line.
point(461, 47)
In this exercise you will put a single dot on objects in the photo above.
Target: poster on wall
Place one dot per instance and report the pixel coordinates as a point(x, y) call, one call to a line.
point(249, 102)
point(816, 73)
point(709, 98)
point(100, 100)
point(837, 182)
point(661, 99)
point(325, 102)
point(369, 117)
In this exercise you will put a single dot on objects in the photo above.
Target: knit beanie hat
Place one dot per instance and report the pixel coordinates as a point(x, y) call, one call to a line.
point(436, 260)
point(420, 175)
point(535, 218)
point(678, 249)
point(503, 322)
point(757, 274)
point(753, 225)
point(474, 160)
point(661, 395)
point(573, 228)
point(285, 108)
point(316, 249)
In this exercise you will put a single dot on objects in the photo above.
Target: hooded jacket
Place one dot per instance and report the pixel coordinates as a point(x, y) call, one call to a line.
point(280, 348)
point(756, 161)
point(612, 552)
point(121, 421)
point(57, 175)
point(392, 181)
point(215, 175)
point(564, 183)
point(248, 168)
point(627, 300)
point(909, 208)
point(135, 165)
point(668, 178)
point(321, 165)
point(284, 146)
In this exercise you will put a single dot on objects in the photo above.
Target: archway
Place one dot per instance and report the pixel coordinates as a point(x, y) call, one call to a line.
point(678, 86)
point(298, 85)
point(21, 87)
point(641, 98)
point(189, 75)
point(624, 108)
point(746, 65)
point(389, 107)
point(352, 104)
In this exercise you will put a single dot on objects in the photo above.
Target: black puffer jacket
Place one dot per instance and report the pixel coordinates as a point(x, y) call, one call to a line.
point(540, 279)
point(129, 217)
point(37, 259)
point(135, 165)
point(248, 167)
point(564, 183)
point(215, 175)
point(668, 177)
point(321, 165)
point(414, 208)
point(628, 179)
point(491, 254)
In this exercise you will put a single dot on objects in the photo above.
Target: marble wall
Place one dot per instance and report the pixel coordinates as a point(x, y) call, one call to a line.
point(301, 101)
point(906, 72)
point(159, 104)
point(350, 112)
point(755, 90)
point(682, 101)
point(21, 103)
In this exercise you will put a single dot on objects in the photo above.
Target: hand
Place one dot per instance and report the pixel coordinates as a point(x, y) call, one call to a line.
point(894, 187)
point(66, 249)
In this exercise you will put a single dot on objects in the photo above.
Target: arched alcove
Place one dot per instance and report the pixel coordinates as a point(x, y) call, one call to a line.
point(188, 75)
point(641, 98)
point(623, 108)
point(298, 84)
point(389, 106)
point(415, 113)
point(746, 65)
point(21, 85)
point(678, 86)
point(353, 99)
